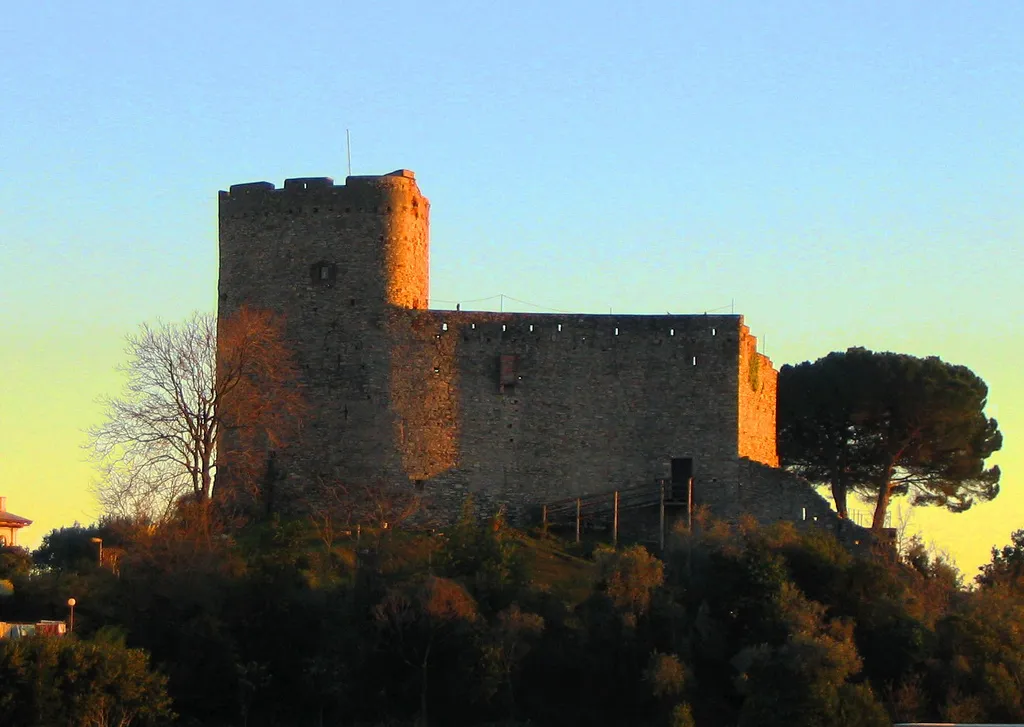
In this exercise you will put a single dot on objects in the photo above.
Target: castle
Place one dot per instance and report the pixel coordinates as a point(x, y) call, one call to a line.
point(517, 409)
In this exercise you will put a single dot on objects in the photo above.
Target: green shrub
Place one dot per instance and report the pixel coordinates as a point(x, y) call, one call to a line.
point(48, 681)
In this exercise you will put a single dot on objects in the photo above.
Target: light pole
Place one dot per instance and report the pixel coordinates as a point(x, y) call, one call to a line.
point(71, 620)
point(99, 550)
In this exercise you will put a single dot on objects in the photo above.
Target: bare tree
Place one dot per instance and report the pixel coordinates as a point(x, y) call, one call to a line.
point(186, 393)
point(335, 507)
point(331, 512)
point(419, 619)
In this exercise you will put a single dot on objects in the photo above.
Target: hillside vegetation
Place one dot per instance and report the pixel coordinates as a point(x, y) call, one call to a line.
point(274, 624)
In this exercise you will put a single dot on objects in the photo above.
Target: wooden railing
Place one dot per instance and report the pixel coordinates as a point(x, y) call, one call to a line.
point(606, 507)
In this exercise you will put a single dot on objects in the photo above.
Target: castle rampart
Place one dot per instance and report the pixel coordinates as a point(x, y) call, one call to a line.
point(521, 408)
point(514, 408)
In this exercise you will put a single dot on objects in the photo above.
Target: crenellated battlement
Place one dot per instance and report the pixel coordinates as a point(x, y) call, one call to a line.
point(516, 408)
point(399, 178)
point(387, 194)
point(702, 334)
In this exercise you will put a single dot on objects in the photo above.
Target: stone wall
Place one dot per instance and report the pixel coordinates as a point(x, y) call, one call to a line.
point(333, 260)
point(589, 403)
point(772, 494)
point(517, 409)
point(758, 385)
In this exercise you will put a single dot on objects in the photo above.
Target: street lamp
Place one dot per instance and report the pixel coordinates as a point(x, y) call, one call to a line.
point(71, 622)
point(99, 550)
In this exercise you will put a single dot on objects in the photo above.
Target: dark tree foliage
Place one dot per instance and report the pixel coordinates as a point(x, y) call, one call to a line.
point(77, 548)
point(979, 659)
point(733, 624)
point(484, 557)
point(1007, 566)
point(63, 681)
point(884, 424)
point(14, 561)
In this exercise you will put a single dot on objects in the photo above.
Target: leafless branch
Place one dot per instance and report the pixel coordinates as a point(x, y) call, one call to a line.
point(187, 386)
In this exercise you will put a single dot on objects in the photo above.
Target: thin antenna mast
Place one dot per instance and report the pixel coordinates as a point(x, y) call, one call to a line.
point(348, 151)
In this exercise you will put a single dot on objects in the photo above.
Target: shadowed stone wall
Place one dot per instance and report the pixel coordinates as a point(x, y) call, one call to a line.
point(517, 409)
point(591, 403)
point(333, 260)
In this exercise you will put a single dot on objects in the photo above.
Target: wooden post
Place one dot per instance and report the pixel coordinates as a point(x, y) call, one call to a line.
point(661, 521)
point(689, 530)
point(544, 519)
point(689, 505)
point(578, 518)
point(615, 521)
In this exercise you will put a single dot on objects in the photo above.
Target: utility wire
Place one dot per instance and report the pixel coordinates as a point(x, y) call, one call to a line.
point(536, 305)
point(474, 300)
point(502, 297)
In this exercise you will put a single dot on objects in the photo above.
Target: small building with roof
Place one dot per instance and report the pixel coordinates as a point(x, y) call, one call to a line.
point(10, 524)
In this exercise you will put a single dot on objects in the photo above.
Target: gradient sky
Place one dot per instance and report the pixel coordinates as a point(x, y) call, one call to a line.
point(843, 173)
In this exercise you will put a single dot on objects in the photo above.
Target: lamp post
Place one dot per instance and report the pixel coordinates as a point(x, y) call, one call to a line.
point(99, 550)
point(71, 620)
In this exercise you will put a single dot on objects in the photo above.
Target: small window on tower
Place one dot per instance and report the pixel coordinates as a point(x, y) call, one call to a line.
point(323, 273)
point(507, 371)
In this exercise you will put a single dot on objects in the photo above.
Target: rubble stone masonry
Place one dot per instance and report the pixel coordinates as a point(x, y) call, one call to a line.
point(518, 409)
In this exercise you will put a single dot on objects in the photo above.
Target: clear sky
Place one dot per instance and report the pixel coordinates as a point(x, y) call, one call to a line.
point(843, 173)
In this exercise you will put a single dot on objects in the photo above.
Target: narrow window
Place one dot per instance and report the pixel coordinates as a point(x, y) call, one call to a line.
point(507, 371)
point(322, 273)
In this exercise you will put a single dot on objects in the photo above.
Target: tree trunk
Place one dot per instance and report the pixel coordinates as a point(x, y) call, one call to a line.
point(839, 496)
point(881, 506)
point(207, 479)
point(422, 721)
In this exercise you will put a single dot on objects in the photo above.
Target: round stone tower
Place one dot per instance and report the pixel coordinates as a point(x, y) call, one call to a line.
point(364, 244)
point(334, 261)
